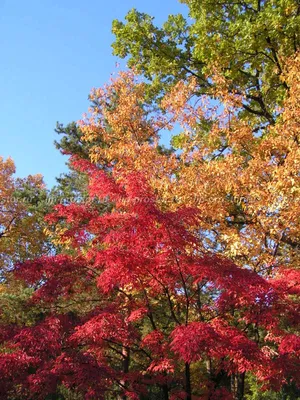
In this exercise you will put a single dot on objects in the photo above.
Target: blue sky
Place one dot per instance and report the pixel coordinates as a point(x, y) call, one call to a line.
point(52, 53)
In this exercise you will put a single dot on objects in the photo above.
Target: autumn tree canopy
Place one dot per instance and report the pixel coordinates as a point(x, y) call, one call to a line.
point(246, 183)
point(21, 234)
point(174, 272)
point(139, 311)
point(142, 302)
point(245, 40)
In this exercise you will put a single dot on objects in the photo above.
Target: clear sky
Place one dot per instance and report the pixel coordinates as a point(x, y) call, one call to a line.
point(52, 53)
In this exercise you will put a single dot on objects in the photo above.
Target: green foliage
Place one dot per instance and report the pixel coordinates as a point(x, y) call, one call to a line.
point(289, 392)
point(178, 141)
point(246, 40)
point(162, 55)
point(15, 310)
point(68, 394)
point(71, 186)
point(71, 141)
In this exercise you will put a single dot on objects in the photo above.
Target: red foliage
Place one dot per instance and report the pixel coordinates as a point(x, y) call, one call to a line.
point(161, 306)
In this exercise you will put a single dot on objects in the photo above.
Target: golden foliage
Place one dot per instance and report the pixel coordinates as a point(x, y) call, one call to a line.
point(246, 182)
point(128, 132)
point(244, 179)
point(21, 235)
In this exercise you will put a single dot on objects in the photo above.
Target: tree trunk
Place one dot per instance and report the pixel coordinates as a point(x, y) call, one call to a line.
point(165, 392)
point(238, 386)
point(188, 386)
point(126, 362)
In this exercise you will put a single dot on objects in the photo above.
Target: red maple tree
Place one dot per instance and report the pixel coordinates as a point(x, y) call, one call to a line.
point(135, 310)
